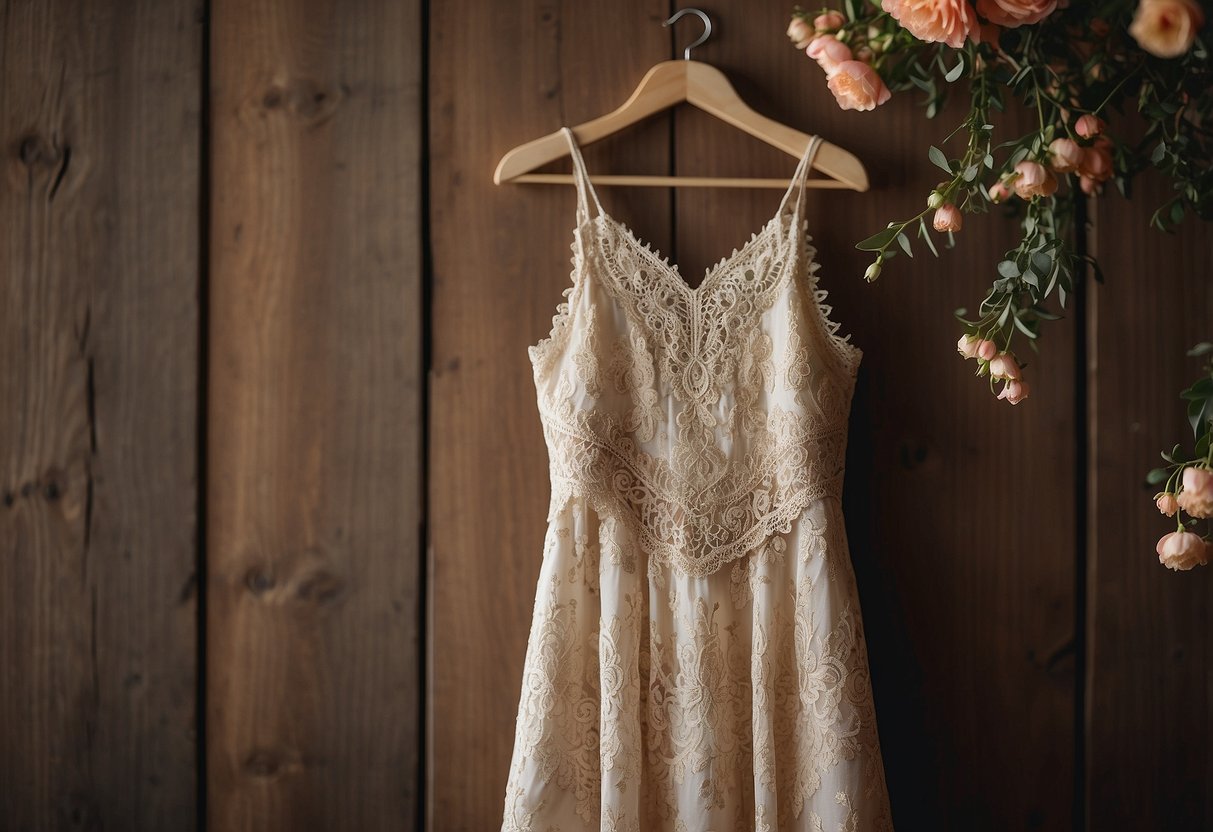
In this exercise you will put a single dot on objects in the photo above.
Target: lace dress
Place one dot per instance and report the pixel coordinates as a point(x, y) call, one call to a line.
point(696, 658)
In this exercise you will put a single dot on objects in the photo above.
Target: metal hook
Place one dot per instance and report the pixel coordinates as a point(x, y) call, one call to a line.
point(707, 29)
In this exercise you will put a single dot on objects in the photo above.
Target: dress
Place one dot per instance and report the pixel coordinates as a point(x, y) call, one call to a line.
point(696, 658)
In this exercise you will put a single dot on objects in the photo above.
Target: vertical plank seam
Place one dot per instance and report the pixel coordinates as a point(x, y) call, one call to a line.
point(1083, 483)
point(202, 417)
point(426, 302)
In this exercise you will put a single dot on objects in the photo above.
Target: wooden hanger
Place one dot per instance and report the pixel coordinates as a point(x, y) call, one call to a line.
point(665, 85)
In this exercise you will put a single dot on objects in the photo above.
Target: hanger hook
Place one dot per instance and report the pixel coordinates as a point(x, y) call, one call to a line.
point(707, 29)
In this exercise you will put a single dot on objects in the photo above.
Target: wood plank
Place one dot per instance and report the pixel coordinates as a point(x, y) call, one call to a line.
point(963, 549)
point(1150, 693)
point(500, 262)
point(314, 421)
point(100, 125)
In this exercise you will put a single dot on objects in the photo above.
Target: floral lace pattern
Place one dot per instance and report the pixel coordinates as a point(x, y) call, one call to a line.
point(696, 658)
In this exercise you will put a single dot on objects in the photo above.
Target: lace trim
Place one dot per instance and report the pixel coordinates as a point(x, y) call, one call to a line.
point(543, 352)
point(847, 353)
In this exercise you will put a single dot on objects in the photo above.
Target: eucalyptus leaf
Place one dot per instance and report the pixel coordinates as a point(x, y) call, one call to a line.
point(878, 240)
point(1157, 475)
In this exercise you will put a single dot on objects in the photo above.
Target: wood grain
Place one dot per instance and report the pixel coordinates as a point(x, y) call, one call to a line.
point(501, 258)
point(314, 416)
point(100, 135)
point(1149, 691)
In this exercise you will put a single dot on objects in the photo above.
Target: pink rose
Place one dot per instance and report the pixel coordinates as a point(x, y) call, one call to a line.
point(987, 350)
point(800, 32)
point(1167, 504)
point(1166, 28)
point(828, 22)
point(1182, 550)
point(935, 21)
point(967, 345)
point(999, 191)
point(1088, 125)
point(1033, 179)
point(1014, 391)
point(1065, 155)
point(948, 218)
point(1096, 162)
point(1196, 498)
point(1089, 186)
point(1003, 366)
point(830, 53)
point(857, 86)
point(1012, 13)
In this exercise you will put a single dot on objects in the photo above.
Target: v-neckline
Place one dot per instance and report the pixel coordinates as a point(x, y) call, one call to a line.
point(671, 271)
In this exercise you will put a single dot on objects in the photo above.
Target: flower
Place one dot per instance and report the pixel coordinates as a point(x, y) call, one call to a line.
point(948, 218)
point(1196, 498)
point(800, 32)
point(1182, 550)
point(1166, 28)
point(1003, 366)
point(1012, 13)
point(1089, 186)
point(1167, 504)
point(1065, 155)
point(829, 21)
point(1000, 191)
point(935, 21)
point(987, 350)
point(829, 52)
point(872, 272)
point(1097, 161)
point(1089, 125)
point(1015, 391)
point(857, 86)
point(1033, 179)
point(967, 345)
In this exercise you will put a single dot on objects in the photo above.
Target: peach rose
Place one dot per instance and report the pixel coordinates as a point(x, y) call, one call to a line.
point(1089, 125)
point(1003, 366)
point(800, 32)
point(1182, 550)
point(1014, 391)
point(967, 345)
point(828, 22)
point(1012, 13)
point(1166, 28)
point(1096, 162)
point(948, 218)
point(1033, 179)
point(857, 86)
point(987, 350)
point(1089, 186)
point(1000, 191)
point(1065, 155)
point(1167, 504)
point(1196, 498)
point(829, 52)
point(935, 21)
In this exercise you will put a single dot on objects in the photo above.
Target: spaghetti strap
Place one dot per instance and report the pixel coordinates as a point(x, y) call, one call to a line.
point(803, 168)
point(581, 176)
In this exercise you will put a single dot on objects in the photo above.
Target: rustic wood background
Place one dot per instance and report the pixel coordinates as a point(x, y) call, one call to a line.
point(259, 572)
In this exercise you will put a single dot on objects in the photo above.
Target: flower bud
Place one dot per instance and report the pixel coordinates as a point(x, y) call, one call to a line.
point(873, 272)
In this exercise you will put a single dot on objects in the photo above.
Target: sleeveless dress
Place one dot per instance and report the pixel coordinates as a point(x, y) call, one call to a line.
point(696, 658)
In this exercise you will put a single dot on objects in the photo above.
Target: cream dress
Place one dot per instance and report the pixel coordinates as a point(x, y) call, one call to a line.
point(696, 657)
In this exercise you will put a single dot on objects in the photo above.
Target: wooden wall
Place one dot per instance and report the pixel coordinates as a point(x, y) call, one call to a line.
point(259, 572)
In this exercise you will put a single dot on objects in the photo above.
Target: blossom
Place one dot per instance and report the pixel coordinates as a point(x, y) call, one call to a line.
point(800, 32)
point(935, 21)
point(1065, 155)
point(1033, 179)
point(1097, 161)
point(1182, 550)
point(857, 86)
point(829, 21)
point(1197, 495)
point(967, 345)
point(1003, 366)
point(1167, 504)
point(1089, 186)
point(987, 350)
point(1012, 13)
point(1089, 125)
point(948, 218)
point(1166, 28)
point(829, 52)
point(1000, 191)
point(1015, 391)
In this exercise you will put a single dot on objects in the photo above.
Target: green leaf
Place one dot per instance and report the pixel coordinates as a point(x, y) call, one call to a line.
point(1202, 389)
point(1157, 475)
point(954, 73)
point(1203, 348)
point(878, 240)
point(1022, 327)
point(926, 235)
point(936, 156)
point(1007, 268)
point(904, 242)
point(1196, 414)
